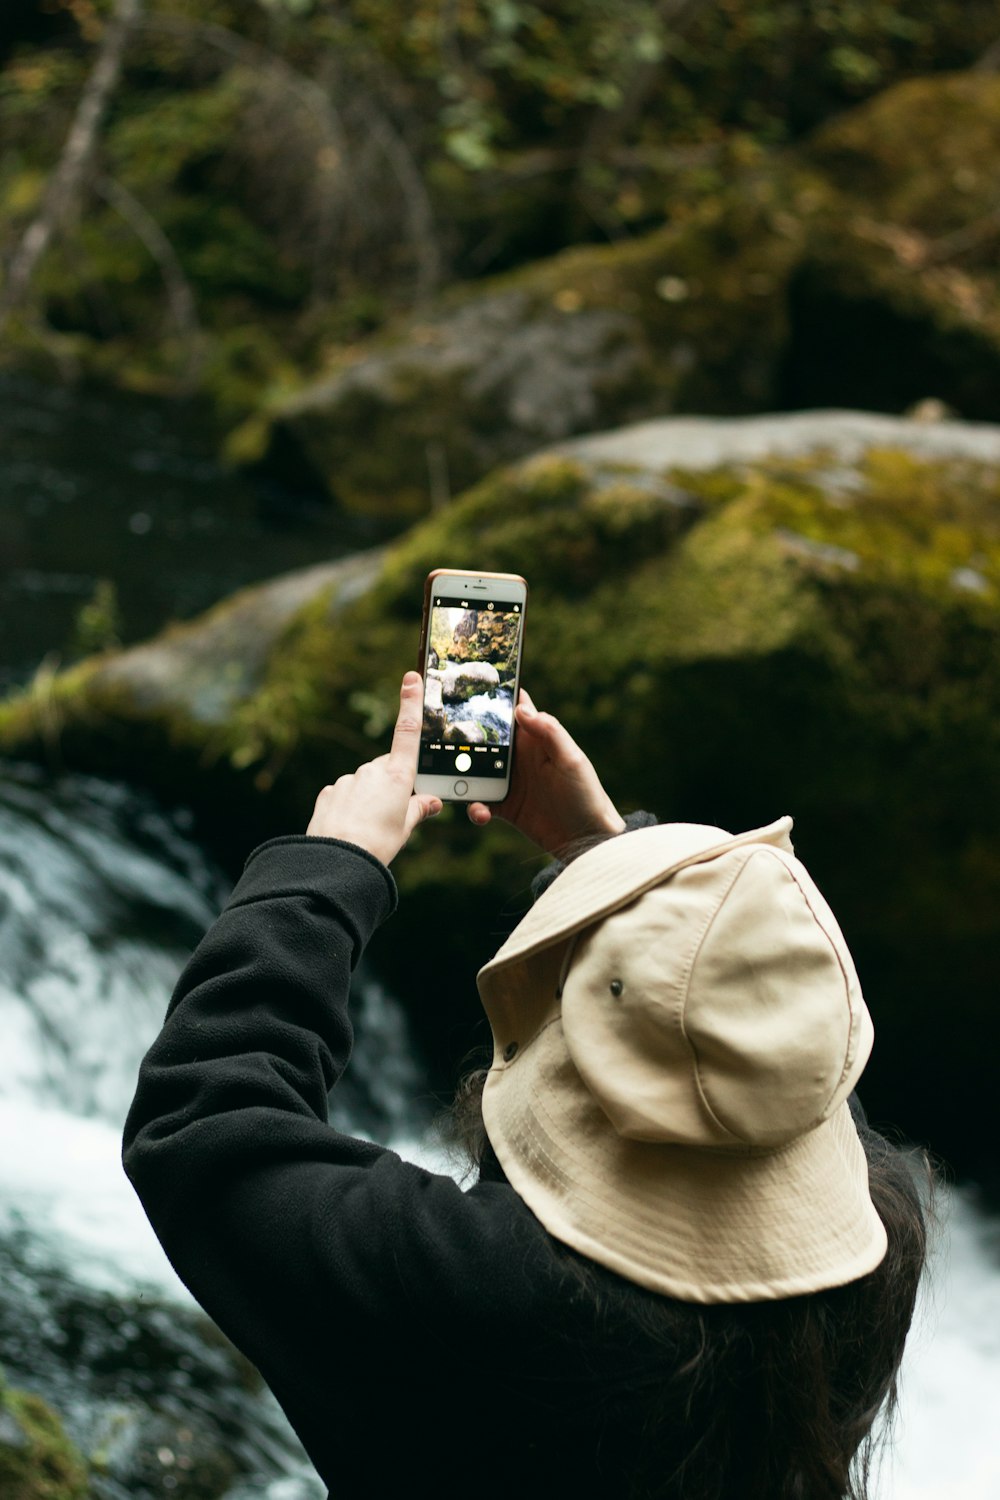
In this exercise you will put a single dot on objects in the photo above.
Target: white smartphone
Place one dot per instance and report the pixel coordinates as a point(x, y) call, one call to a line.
point(470, 659)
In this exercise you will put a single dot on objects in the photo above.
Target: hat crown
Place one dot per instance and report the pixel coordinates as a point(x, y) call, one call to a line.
point(721, 1008)
point(677, 1023)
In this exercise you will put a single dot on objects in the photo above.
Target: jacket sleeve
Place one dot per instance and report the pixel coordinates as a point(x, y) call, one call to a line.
point(329, 1261)
point(257, 1031)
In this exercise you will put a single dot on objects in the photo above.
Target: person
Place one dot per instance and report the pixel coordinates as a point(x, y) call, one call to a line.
point(687, 1266)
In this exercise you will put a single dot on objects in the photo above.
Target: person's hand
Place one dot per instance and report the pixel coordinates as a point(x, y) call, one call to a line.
point(555, 794)
point(376, 807)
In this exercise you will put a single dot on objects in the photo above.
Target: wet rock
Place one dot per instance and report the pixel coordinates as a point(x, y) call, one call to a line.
point(163, 1407)
point(459, 682)
point(464, 732)
point(845, 437)
point(434, 715)
point(206, 671)
point(174, 1456)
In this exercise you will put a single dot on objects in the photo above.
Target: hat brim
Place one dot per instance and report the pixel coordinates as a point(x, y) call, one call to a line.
point(609, 876)
point(702, 1225)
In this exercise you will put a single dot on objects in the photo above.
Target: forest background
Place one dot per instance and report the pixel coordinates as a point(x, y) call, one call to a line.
point(226, 196)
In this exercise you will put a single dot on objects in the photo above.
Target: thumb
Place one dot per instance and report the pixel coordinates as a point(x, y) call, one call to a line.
point(547, 731)
point(419, 810)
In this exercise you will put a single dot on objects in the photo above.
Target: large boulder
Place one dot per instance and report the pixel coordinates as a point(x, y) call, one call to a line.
point(491, 372)
point(894, 296)
point(461, 681)
point(856, 270)
point(737, 618)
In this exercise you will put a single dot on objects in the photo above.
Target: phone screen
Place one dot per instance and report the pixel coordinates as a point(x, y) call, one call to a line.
point(470, 677)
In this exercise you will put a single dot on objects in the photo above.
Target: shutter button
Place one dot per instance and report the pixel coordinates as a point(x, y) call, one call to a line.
point(510, 1052)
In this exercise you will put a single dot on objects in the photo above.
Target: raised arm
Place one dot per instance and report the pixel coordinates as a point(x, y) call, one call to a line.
point(346, 1275)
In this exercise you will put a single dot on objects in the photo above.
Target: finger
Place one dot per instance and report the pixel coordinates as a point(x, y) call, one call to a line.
point(380, 762)
point(479, 814)
point(405, 746)
point(526, 701)
point(553, 739)
point(546, 726)
point(419, 809)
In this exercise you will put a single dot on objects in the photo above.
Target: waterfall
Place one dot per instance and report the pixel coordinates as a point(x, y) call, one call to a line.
point(102, 898)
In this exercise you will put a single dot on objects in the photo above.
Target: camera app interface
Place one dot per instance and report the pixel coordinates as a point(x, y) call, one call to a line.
point(469, 682)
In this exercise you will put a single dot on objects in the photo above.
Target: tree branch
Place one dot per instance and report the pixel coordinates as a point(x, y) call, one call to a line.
point(257, 58)
point(419, 212)
point(989, 62)
point(606, 129)
point(970, 237)
point(384, 135)
point(64, 187)
point(180, 298)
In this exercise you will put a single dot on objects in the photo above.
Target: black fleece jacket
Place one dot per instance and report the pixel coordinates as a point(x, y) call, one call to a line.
point(419, 1337)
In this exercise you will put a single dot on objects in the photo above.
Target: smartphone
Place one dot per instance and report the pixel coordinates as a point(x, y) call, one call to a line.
point(470, 659)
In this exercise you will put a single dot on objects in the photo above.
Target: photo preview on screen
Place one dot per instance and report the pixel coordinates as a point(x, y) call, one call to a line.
point(470, 678)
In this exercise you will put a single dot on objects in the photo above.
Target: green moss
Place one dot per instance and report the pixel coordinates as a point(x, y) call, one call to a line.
point(907, 523)
point(39, 713)
point(917, 155)
point(37, 1460)
point(291, 703)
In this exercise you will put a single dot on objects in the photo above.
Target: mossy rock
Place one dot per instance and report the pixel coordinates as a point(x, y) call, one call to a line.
point(837, 274)
point(731, 637)
point(921, 151)
point(679, 320)
point(896, 294)
point(37, 1460)
point(199, 700)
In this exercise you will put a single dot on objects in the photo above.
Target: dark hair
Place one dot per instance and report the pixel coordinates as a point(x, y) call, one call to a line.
point(767, 1400)
point(773, 1400)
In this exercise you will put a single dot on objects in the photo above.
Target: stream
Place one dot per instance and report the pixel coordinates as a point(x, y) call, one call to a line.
point(103, 487)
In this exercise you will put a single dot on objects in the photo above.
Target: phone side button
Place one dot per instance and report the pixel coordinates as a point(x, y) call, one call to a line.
point(460, 788)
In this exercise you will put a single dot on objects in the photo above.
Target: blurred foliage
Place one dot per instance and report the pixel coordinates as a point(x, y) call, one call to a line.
point(307, 168)
point(98, 623)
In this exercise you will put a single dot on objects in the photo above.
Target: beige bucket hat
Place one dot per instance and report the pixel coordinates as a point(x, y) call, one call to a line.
point(677, 1025)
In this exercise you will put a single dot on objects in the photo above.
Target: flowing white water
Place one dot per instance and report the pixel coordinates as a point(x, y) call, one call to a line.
point(101, 900)
point(948, 1444)
point(93, 928)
